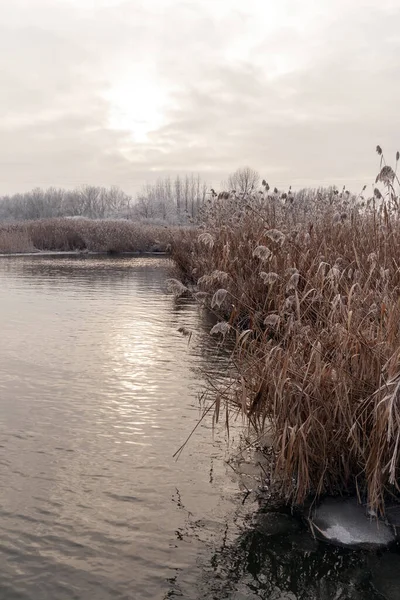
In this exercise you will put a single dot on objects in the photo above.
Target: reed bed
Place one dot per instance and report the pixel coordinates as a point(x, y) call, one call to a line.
point(79, 234)
point(15, 241)
point(310, 294)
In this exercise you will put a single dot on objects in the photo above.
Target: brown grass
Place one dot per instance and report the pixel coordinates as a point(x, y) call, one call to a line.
point(82, 234)
point(15, 241)
point(311, 294)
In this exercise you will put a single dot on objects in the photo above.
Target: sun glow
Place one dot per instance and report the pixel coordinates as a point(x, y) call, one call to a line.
point(138, 106)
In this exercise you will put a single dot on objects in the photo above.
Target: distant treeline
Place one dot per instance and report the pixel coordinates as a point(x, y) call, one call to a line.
point(172, 200)
point(177, 201)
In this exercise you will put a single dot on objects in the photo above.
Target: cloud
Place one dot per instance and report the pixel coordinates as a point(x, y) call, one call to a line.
point(303, 96)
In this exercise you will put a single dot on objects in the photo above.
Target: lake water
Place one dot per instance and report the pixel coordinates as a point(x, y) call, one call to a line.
point(97, 392)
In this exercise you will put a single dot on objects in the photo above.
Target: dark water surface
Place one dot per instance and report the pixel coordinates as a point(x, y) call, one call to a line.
point(97, 392)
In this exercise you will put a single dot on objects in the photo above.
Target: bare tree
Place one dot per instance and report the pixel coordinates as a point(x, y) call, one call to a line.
point(186, 194)
point(178, 194)
point(144, 206)
point(118, 202)
point(244, 180)
point(87, 201)
point(171, 201)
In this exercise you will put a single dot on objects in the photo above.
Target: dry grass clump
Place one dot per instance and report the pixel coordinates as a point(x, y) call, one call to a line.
point(15, 241)
point(312, 296)
point(83, 234)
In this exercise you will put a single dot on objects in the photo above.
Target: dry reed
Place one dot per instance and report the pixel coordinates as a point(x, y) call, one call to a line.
point(15, 241)
point(311, 294)
point(65, 234)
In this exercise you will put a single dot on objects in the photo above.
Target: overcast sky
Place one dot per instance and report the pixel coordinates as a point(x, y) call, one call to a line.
point(122, 92)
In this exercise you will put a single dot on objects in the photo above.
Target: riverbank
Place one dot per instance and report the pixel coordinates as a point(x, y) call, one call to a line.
point(73, 253)
point(309, 294)
point(83, 235)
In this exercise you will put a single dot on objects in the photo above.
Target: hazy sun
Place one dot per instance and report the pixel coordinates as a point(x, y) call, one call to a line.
point(137, 106)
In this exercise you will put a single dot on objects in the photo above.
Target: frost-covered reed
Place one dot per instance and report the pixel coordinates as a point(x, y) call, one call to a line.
point(313, 301)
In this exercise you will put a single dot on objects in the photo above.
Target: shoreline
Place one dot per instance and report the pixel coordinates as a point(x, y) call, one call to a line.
point(70, 237)
point(79, 253)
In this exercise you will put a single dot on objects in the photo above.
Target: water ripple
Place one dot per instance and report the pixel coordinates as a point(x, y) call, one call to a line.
point(98, 390)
